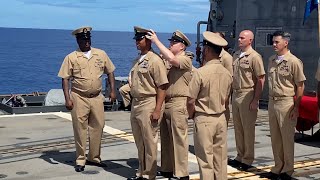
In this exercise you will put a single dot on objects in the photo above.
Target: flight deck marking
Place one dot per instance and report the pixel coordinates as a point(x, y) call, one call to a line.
point(301, 167)
point(121, 134)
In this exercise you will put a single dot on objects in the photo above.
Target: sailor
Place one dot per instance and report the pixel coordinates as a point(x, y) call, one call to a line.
point(148, 90)
point(174, 125)
point(248, 82)
point(286, 81)
point(226, 61)
point(208, 93)
point(84, 68)
point(125, 94)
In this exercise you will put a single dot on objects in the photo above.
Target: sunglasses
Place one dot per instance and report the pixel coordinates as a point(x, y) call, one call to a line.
point(139, 38)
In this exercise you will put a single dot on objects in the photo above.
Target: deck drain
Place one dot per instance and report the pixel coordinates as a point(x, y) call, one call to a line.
point(2, 127)
point(3, 176)
point(22, 138)
point(21, 173)
point(90, 172)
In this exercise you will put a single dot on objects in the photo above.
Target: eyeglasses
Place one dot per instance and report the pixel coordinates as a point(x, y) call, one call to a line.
point(174, 42)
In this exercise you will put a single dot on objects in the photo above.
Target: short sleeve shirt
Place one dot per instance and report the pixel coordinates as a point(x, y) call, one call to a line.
point(86, 74)
point(179, 77)
point(226, 61)
point(147, 75)
point(284, 77)
point(210, 86)
point(246, 69)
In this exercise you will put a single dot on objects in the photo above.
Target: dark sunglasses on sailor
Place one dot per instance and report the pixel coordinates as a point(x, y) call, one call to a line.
point(203, 43)
point(174, 41)
point(139, 38)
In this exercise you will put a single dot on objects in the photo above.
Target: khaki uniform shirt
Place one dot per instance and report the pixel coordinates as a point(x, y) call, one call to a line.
point(210, 86)
point(246, 69)
point(226, 61)
point(318, 71)
point(147, 75)
point(284, 76)
point(179, 77)
point(86, 74)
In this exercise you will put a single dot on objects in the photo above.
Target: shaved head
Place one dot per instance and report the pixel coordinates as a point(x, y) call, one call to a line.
point(245, 39)
point(248, 33)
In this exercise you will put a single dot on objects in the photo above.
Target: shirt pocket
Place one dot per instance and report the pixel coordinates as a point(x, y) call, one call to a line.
point(142, 70)
point(284, 76)
point(245, 66)
point(79, 70)
point(246, 69)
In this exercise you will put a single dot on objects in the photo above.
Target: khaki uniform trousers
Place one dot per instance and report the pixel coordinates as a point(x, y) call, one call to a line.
point(244, 125)
point(282, 130)
point(87, 113)
point(174, 137)
point(125, 94)
point(210, 144)
point(227, 114)
point(145, 134)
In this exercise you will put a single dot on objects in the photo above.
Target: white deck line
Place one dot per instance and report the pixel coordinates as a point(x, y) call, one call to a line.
point(110, 130)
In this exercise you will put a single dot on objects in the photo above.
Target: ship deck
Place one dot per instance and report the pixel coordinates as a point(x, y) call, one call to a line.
point(41, 146)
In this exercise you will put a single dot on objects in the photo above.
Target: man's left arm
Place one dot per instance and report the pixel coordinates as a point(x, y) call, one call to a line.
point(111, 80)
point(258, 68)
point(109, 69)
point(161, 95)
point(299, 78)
point(299, 93)
point(159, 73)
point(191, 107)
point(257, 92)
point(194, 89)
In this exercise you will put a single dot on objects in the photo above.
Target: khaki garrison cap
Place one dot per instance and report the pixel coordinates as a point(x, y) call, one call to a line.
point(213, 39)
point(83, 32)
point(178, 36)
point(139, 32)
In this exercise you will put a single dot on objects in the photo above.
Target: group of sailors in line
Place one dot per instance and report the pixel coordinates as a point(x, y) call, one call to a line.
point(166, 90)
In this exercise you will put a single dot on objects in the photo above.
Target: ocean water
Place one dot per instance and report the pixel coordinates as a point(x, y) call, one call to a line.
point(31, 58)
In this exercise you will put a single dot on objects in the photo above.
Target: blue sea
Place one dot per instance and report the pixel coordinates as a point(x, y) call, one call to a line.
point(31, 58)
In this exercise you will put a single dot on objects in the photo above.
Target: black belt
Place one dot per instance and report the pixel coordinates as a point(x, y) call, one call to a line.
point(91, 95)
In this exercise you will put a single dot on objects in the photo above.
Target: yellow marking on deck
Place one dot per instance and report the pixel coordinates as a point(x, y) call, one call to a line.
point(302, 168)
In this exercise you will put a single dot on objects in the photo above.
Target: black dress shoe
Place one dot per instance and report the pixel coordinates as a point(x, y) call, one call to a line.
point(184, 178)
point(234, 163)
point(100, 164)
point(246, 167)
point(269, 175)
point(135, 178)
point(79, 168)
point(165, 174)
point(285, 176)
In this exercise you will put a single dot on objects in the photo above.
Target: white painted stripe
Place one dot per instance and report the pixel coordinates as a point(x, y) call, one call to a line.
point(25, 115)
point(106, 129)
point(115, 132)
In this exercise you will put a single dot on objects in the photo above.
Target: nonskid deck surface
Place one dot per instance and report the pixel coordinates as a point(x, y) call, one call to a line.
point(41, 146)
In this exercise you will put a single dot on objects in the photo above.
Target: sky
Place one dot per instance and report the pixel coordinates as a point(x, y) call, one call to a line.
point(105, 15)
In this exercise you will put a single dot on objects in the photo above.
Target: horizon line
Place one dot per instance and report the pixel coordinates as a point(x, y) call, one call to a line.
point(73, 29)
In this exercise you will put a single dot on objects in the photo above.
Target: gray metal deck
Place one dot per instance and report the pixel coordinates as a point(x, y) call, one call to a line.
point(41, 146)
